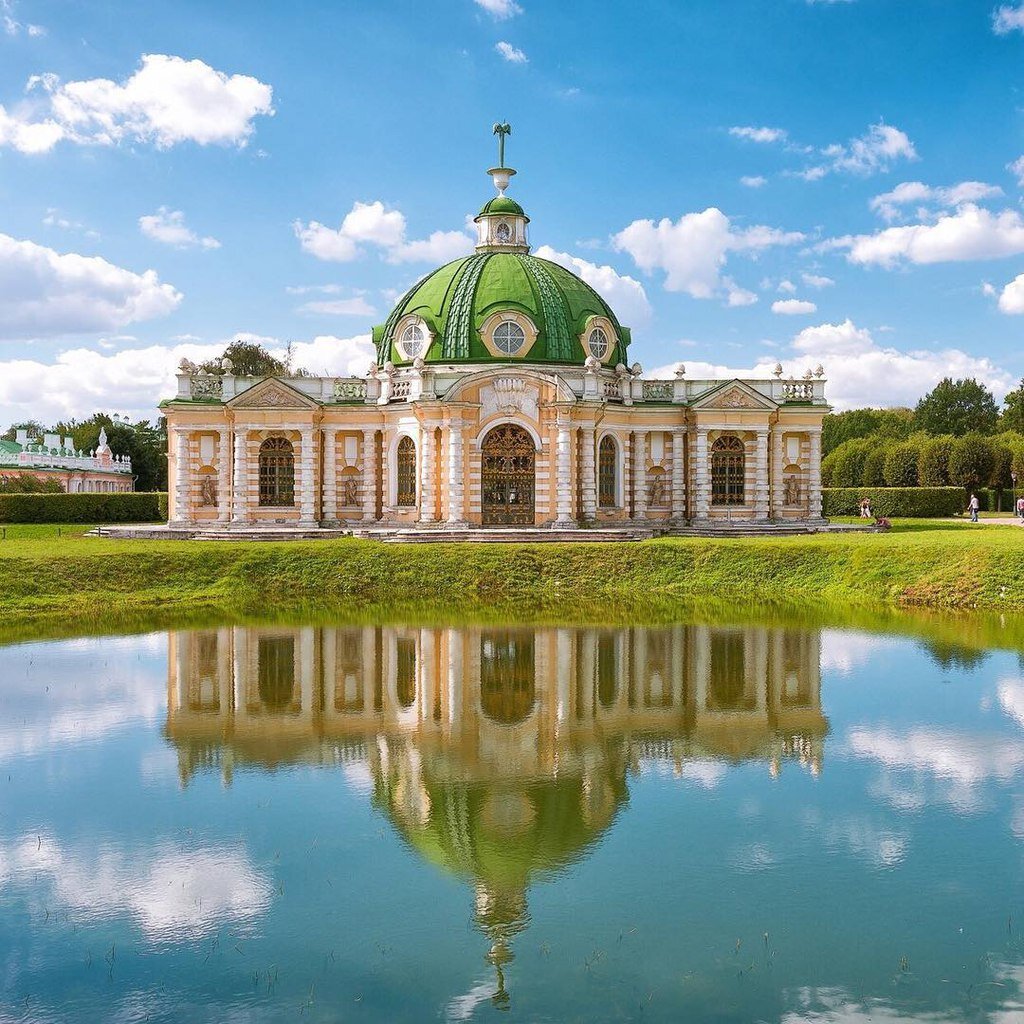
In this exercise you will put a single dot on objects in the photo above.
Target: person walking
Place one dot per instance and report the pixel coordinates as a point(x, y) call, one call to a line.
point(1020, 508)
point(974, 505)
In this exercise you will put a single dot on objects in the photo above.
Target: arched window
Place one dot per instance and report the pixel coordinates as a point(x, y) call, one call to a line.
point(728, 466)
point(597, 343)
point(607, 466)
point(509, 337)
point(277, 472)
point(406, 473)
point(412, 340)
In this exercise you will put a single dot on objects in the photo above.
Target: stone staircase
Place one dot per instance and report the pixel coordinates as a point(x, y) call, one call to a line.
point(507, 535)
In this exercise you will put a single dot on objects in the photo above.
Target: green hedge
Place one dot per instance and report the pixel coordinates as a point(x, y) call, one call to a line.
point(142, 507)
point(915, 502)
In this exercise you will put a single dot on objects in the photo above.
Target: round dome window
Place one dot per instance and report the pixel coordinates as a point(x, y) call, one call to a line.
point(413, 340)
point(509, 337)
point(597, 343)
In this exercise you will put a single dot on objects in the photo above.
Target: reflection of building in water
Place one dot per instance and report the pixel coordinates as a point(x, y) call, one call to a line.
point(499, 753)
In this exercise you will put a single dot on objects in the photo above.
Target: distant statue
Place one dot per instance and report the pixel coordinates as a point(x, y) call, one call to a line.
point(187, 366)
point(208, 491)
point(656, 492)
point(792, 490)
point(349, 492)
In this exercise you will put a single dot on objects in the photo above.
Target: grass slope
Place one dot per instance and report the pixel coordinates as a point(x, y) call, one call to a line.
point(919, 563)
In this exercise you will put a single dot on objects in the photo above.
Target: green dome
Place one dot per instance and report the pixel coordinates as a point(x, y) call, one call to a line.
point(456, 299)
point(502, 204)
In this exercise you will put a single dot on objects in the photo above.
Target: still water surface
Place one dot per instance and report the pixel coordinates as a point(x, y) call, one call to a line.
point(391, 823)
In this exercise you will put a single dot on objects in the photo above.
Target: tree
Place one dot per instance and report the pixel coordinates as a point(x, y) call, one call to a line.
point(250, 359)
point(1012, 417)
point(846, 463)
point(874, 465)
point(933, 462)
point(971, 461)
point(854, 423)
point(144, 443)
point(34, 428)
point(900, 467)
point(957, 407)
point(29, 483)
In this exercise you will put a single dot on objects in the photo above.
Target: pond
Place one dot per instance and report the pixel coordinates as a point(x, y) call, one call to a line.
point(754, 821)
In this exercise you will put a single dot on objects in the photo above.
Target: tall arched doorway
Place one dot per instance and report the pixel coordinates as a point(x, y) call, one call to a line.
point(508, 461)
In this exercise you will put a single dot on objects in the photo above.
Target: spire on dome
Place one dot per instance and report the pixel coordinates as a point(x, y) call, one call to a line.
point(501, 224)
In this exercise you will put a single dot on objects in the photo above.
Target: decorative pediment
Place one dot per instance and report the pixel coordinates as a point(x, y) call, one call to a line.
point(510, 396)
point(272, 393)
point(734, 394)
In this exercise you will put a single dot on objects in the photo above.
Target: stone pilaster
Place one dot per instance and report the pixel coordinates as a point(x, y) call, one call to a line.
point(588, 441)
point(701, 475)
point(814, 477)
point(182, 481)
point(307, 494)
point(563, 456)
point(330, 481)
point(369, 475)
point(778, 483)
point(679, 474)
point(761, 476)
point(456, 473)
point(240, 488)
point(640, 475)
point(427, 452)
point(223, 475)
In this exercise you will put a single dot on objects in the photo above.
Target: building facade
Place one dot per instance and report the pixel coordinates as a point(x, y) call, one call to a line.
point(501, 396)
point(55, 458)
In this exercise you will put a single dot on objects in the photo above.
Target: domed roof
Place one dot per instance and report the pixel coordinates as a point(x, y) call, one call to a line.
point(502, 204)
point(457, 299)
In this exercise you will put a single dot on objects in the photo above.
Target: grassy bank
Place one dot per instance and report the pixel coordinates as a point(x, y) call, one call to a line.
point(930, 564)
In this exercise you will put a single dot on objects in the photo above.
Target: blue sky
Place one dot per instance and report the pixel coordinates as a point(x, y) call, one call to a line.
point(745, 180)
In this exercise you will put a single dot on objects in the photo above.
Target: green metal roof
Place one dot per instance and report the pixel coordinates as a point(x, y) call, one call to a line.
point(10, 447)
point(456, 299)
point(502, 204)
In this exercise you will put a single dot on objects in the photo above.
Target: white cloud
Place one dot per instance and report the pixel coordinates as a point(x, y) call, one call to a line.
point(167, 101)
point(693, 250)
point(309, 289)
point(44, 293)
point(12, 26)
point(373, 224)
point(79, 381)
point(793, 307)
point(1011, 299)
point(737, 296)
point(817, 281)
point(787, 286)
point(1008, 19)
point(511, 53)
point(1018, 169)
point(500, 10)
point(874, 151)
point(624, 294)
point(753, 180)
point(970, 233)
point(759, 134)
point(888, 205)
point(168, 226)
point(357, 306)
point(860, 371)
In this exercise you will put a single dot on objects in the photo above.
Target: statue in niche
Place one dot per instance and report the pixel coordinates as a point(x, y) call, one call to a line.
point(208, 491)
point(349, 492)
point(656, 492)
point(792, 491)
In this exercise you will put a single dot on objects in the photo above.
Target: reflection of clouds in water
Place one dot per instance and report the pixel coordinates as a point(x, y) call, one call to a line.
point(704, 772)
point(836, 1006)
point(78, 691)
point(755, 857)
point(358, 776)
point(842, 651)
point(170, 893)
point(1011, 699)
point(463, 1007)
point(880, 846)
point(961, 764)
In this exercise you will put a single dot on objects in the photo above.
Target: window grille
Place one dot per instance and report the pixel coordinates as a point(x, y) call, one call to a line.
point(606, 469)
point(277, 472)
point(406, 473)
point(728, 469)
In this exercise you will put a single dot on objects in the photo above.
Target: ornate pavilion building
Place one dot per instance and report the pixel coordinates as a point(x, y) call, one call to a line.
point(502, 395)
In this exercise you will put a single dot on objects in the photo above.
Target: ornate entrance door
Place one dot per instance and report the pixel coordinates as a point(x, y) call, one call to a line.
point(508, 460)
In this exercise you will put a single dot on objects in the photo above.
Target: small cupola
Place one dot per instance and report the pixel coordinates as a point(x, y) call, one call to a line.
point(501, 224)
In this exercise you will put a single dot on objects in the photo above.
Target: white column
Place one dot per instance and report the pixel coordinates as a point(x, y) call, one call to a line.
point(563, 449)
point(761, 476)
point(778, 484)
point(307, 498)
point(369, 475)
point(640, 476)
point(224, 475)
point(702, 475)
point(182, 509)
point(814, 477)
point(589, 482)
point(330, 481)
point(679, 473)
point(456, 472)
point(240, 489)
point(426, 450)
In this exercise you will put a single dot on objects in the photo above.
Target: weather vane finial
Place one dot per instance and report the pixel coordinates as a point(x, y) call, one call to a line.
point(501, 130)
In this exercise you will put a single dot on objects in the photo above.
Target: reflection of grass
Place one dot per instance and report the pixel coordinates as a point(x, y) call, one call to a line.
point(924, 563)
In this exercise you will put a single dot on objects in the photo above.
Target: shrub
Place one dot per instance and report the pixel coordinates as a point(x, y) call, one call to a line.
point(874, 464)
point(915, 502)
point(140, 507)
point(29, 483)
point(900, 467)
point(933, 462)
point(971, 461)
point(846, 463)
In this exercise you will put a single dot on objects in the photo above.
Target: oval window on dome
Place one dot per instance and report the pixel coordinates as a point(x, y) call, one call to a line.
point(509, 337)
point(597, 343)
point(503, 233)
point(413, 340)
